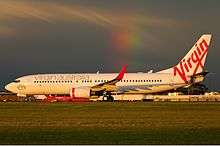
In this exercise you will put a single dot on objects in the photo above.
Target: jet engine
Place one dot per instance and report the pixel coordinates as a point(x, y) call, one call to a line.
point(83, 92)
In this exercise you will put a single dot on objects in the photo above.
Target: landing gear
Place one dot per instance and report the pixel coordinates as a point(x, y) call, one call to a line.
point(108, 97)
point(29, 99)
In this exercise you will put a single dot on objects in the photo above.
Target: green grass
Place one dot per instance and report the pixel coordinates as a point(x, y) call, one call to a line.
point(110, 123)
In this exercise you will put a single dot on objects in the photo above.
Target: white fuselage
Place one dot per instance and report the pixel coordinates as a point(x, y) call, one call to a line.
point(61, 84)
point(188, 71)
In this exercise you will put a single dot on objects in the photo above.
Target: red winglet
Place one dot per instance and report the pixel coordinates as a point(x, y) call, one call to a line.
point(121, 73)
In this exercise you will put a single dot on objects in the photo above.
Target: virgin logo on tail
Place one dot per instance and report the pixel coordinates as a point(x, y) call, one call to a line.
point(190, 65)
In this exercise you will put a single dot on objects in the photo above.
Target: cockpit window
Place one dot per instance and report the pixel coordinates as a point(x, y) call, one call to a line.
point(17, 81)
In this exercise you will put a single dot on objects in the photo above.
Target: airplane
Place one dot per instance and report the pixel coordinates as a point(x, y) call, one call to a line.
point(190, 70)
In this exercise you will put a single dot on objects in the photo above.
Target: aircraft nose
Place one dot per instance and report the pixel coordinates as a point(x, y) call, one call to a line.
point(9, 87)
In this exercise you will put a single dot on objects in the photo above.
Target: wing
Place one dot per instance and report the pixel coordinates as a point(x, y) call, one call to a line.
point(110, 86)
point(142, 88)
point(132, 88)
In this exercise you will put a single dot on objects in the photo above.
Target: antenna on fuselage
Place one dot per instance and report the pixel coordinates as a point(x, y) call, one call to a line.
point(152, 68)
point(100, 68)
point(150, 71)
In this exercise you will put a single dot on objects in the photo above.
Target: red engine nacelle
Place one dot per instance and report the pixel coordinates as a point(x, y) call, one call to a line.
point(81, 92)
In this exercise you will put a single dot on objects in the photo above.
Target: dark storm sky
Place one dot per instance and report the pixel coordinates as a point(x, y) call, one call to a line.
point(68, 36)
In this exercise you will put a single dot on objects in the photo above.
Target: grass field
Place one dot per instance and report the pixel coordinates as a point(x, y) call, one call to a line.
point(110, 123)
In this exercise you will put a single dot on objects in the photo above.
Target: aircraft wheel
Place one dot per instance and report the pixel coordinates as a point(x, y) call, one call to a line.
point(111, 98)
point(108, 98)
point(105, 98)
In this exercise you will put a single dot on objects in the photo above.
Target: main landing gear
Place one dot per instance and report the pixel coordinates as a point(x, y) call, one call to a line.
point(108, 97)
